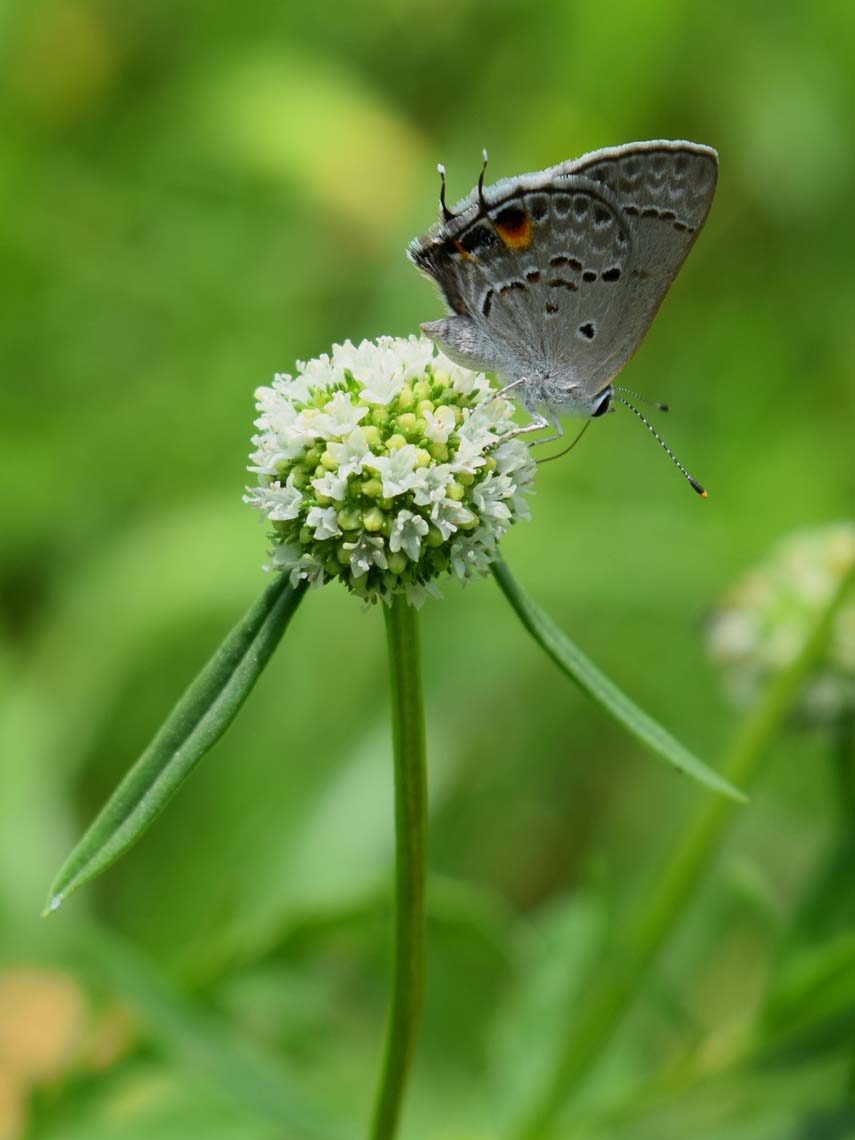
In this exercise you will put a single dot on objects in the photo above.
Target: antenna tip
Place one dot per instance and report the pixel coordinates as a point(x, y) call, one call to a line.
point(701, 490)
point(440, 168)
point(484, 154)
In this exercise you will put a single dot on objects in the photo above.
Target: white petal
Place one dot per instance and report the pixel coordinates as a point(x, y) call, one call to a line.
point(323, 522)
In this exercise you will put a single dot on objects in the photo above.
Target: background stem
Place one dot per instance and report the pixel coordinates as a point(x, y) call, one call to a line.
point(844, 764)
point(408, 735)
point(615, 985)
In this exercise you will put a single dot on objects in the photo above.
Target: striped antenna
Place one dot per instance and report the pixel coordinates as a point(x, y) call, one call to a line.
point(692, 481)
point(644, 399)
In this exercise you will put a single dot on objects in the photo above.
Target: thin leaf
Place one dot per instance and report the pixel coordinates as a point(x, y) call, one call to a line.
point(573, 662)
point(237, 1068)
point(196, 723)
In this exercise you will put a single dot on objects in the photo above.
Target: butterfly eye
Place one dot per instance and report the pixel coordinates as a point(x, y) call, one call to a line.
point(604, 405)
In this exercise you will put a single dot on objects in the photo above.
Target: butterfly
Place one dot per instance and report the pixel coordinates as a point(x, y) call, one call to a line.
point(553, 278)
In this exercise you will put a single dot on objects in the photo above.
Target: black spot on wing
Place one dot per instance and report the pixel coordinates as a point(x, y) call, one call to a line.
point(562, 259)
point(538, 206)
point(478, 238)
point(511, 218)
point(510, 287)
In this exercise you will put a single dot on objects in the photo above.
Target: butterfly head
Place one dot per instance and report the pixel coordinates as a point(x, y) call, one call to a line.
point(569, 398)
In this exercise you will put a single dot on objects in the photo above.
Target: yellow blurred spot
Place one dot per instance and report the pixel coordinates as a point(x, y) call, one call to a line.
point(41, 1018)
point(41, 1015)
point(297, 119)
point(13, 1098)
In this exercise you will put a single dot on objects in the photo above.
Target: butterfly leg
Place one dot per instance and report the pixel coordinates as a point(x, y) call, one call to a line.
point(558, 430)
point(538, 422)
point(510, 387)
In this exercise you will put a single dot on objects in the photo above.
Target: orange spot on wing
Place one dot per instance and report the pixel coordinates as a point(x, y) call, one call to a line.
point(516, 232)
point(462, 251)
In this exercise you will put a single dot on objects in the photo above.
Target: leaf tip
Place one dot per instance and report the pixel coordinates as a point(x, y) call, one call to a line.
point(725, 788)
point(53, 905)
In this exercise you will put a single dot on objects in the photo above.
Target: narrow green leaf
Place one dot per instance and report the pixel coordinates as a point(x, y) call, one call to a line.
point(573, 662)
point(196, 723)
point(236, 1067)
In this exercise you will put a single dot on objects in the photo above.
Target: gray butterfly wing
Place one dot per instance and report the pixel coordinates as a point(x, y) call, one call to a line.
point(525, 270)
point(664, 189)
point(557, 275)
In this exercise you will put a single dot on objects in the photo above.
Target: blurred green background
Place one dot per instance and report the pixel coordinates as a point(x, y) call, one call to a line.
point(194, 195)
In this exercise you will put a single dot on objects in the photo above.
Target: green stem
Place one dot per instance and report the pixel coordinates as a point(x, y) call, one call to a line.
point(614, 987)
point(408, 735)
point(844, 764)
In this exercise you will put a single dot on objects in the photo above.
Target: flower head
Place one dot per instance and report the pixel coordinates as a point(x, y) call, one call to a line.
point(762, 625)
point(386, 465)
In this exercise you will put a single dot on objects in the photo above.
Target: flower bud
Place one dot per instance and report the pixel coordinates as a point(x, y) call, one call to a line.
point(761, 626)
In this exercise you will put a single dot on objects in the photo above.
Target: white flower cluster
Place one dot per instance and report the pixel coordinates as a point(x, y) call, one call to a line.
point(763, 624)
point(386, 465)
